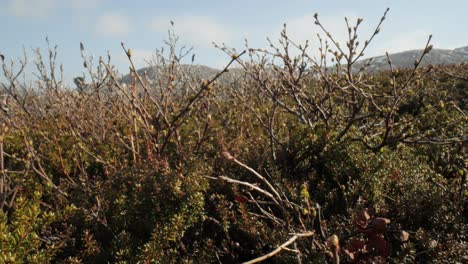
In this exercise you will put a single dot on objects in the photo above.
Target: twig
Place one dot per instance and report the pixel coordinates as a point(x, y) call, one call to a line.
point(251, 186)
point(2, 168)
point(263, 179)
point(281, 247)
point(205, 86)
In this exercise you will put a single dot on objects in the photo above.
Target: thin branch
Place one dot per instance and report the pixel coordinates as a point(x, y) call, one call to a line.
point(280, 248)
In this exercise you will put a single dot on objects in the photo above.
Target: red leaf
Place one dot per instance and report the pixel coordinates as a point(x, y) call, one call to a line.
point(355, 245)
point(363, 216)
point(378, 224)
point(241, 199)
point(380, 244)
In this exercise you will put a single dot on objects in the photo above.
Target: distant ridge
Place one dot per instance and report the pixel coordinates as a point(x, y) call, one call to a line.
point(403, 59)
point(195, 70)
point(406, 59)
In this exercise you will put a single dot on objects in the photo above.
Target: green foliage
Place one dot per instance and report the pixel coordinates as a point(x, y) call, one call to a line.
point(133, 174)
point(27, 234)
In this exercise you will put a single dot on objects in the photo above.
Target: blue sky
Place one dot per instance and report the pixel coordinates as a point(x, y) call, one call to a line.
point(142, 25)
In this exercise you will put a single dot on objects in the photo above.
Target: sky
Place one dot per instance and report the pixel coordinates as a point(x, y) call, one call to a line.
point(101, 25)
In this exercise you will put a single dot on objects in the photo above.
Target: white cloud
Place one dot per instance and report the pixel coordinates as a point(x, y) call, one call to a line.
point(113, 25)
point(404, 41)
point(140, 58)
point(30, 8)
point(197, 30)
point(84, 4)
point(42, 8)
point(303, 28)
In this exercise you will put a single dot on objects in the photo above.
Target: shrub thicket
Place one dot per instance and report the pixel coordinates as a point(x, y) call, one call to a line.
point(332, 163)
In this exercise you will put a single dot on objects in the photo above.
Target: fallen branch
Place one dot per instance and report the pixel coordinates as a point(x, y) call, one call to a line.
point(251, 186)
point(280, 248)
point(228, 156)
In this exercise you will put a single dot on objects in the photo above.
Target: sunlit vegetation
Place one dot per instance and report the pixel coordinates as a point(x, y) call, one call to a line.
point(293, 159)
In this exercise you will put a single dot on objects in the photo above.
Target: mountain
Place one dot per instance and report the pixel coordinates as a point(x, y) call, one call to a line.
point(403, 59)
point(406, 59)
point(193, 71)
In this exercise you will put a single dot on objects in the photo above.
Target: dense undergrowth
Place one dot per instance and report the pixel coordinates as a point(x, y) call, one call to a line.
point(347, 165)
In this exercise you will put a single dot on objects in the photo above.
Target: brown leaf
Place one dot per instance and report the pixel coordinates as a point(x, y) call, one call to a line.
point(404, 236)
point(226, 155)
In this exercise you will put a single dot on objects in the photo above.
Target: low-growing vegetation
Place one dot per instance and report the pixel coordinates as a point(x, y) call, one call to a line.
point(292, 159)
